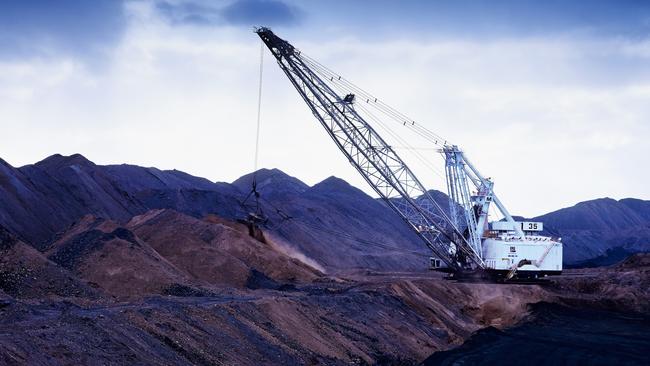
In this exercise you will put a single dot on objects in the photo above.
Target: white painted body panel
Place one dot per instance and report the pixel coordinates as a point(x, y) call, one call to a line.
point(502, 226)
point(506, 251)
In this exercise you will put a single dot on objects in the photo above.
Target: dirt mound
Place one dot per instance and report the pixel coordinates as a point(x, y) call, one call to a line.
point(216, 253)
point(622, 287)
point(640, 261)
point(114, 258)
point(26, 273)
point(165, 252)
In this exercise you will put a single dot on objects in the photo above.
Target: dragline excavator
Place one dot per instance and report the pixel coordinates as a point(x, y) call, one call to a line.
point(461, 238)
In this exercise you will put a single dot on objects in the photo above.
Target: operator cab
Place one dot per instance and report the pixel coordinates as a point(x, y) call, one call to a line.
point(349, 99)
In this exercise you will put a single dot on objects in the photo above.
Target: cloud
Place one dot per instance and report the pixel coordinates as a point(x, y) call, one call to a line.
point(42, 28)
point(260, 12)
point(239, 12)
point(560, 118)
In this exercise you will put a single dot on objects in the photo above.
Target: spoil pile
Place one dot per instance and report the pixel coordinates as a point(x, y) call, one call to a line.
point(216, 253)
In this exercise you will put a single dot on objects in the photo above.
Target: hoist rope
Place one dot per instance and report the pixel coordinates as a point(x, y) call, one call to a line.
point(253, 192)
point(259, 108)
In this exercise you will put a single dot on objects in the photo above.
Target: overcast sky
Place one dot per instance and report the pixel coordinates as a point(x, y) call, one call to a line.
point(550, 98)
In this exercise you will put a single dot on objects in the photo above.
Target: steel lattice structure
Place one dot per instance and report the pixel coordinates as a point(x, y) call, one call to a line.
point(375, 159)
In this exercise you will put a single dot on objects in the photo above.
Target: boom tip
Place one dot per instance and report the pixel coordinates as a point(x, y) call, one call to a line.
point(261, 29)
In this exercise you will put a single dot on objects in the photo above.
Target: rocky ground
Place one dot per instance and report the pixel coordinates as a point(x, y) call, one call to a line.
point(165, 288)
point(382, 320)
point(379, 319)
point(623, 287)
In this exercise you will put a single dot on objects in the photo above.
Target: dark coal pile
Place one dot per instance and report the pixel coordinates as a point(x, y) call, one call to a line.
point(70, 254)
point(558, 335)
point(26, 273)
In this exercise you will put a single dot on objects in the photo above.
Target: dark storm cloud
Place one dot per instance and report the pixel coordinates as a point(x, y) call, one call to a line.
point(36, 28)
point(240, 12)
point(260, 12)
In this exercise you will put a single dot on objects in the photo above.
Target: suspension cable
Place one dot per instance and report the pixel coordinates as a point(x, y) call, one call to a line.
point(413, 151)
point(375, 102)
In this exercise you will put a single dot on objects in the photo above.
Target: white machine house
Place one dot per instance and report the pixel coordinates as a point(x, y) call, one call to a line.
point(531, 255)
point(507, 247)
